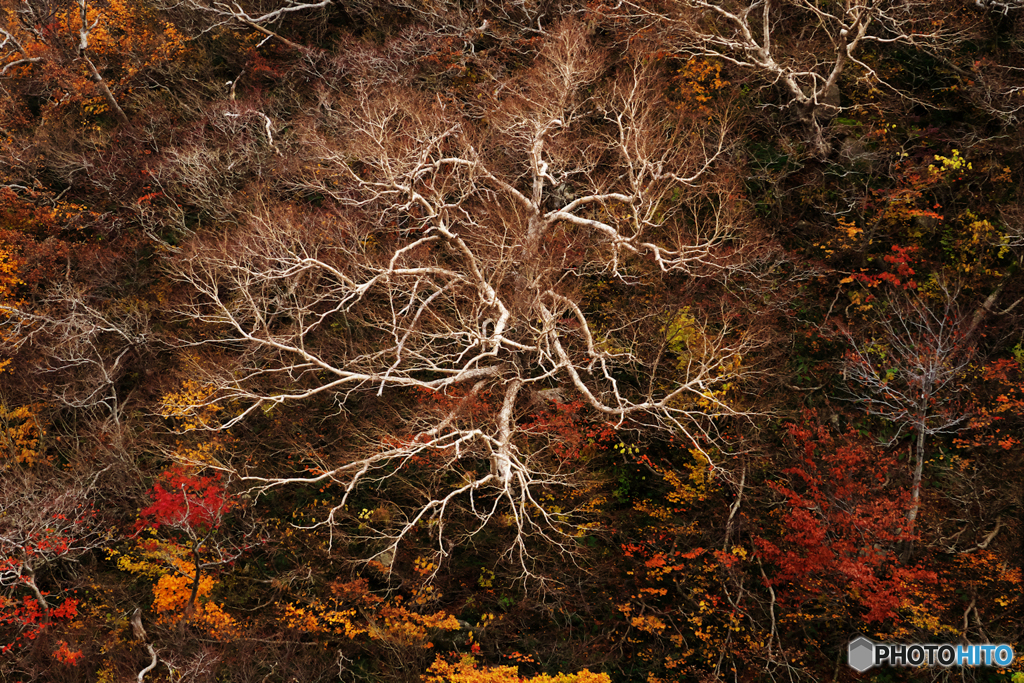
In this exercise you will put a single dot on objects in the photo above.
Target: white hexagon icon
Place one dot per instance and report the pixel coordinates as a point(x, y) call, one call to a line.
point(862, 654)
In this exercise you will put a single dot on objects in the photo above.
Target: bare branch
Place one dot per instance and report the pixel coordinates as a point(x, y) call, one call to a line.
point(759, 37)
point(912, 374)
point(451, 266)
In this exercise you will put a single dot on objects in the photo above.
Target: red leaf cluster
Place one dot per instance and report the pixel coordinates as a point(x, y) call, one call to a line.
point(187, 501)
point(844, 520)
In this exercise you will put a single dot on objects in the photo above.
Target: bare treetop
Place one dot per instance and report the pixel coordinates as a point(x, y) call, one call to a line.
point(456, 263)
point(804, 47)
point(913, 374)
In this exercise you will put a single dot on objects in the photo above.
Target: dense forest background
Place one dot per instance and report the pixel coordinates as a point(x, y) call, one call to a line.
point(483, 341)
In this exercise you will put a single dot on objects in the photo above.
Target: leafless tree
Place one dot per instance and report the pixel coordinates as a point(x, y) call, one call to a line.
point(83, 343)
point(912, 372)
point(43, 521)
point(998, 86)
point(83, 52)
point(211, 166)
point(803, 46)
point(1003, 7)
point(217, 14)
point(467, 21)
point(1013, 220)
point(455, 264)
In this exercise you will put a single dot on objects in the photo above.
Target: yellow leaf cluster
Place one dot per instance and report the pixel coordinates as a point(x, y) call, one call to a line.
point(200, 454)
point(849, 234)
point(132, 565)
point(190, 405)
point(153, 558)
point(646, 507)
point(318, 618)
point(355, 611)
point(125, 34)
point(171, 595)
point(400, 626)
point(424, 566)
point(466, 670)
point(9, 281)
point(20, 435)
point(699, 79)
point(922, 616)
point(954, 162)
point(695, 487)
point(648, 624)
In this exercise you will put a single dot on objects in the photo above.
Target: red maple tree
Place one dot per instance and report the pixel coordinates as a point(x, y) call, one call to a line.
point(844, 520)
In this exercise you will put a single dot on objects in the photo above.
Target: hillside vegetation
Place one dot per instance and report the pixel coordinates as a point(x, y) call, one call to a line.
point(469, 342)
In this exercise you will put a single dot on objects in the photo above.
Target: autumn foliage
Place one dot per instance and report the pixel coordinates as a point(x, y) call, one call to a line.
point(183, 500)
point(508, 342)
point(844, 521)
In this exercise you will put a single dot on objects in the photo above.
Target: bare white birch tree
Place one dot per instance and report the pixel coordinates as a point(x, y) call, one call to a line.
point(803, 46)
point(913, 373)
point(456, 264)
point(82, 346)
